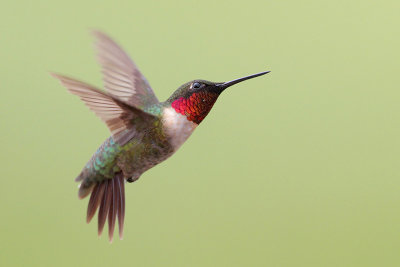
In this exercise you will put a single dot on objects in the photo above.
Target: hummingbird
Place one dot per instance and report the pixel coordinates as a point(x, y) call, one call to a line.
point(144, 131)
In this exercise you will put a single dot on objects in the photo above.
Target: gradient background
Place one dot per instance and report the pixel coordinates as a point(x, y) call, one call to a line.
point(296, 168)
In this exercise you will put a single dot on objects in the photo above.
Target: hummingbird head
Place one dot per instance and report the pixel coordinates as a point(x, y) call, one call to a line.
point(196, 98)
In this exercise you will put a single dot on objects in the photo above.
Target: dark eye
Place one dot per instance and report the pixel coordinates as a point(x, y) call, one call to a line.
point(196, 85)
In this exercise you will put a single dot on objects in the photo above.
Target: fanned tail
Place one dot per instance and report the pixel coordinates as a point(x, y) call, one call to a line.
point(109, 195)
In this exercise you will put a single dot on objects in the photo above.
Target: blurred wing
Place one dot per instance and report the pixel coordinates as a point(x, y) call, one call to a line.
point(121, 76)
point(123, 120)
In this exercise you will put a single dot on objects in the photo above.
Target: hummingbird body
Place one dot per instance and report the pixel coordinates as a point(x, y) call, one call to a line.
point(152, 146)
point(144, 131)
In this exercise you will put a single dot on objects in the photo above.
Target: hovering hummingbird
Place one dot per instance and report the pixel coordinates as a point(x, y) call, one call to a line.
point(144, 131)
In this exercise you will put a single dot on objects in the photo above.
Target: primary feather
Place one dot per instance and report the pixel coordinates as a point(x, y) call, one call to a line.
point(121, 76)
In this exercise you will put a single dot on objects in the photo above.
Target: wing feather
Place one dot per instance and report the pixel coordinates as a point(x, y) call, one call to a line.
point(121, 76)
point(118, 115)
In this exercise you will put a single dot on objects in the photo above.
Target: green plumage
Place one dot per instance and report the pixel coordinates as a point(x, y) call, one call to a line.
point(146, 149)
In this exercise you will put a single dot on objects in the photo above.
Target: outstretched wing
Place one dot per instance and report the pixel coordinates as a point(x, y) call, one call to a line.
point(123, 120)
point(121, 76)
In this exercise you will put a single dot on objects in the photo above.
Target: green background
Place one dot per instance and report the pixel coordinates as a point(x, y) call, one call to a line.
point(296, 168)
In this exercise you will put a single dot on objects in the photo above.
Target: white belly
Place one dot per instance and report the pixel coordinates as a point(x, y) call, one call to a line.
point(177, 127)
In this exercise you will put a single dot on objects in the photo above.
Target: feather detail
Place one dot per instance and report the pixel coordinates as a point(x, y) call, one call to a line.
point(121, 205)
point(95, 200)
point(120, 117)
point(121, 76)
point(110, 196)
point(85, 188)
point(104, 206)
point(112, 214)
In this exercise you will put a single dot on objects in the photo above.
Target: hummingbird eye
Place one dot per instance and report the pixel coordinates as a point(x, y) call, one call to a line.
point(196, 85)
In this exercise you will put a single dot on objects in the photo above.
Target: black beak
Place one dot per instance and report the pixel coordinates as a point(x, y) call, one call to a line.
point(225, 85)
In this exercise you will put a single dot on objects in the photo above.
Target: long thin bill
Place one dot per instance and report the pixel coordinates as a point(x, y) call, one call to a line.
point(230, 83)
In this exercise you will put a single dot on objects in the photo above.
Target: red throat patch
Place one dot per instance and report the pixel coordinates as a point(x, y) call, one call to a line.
point(196, 107)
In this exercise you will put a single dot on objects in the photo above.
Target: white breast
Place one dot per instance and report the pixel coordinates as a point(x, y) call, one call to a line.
point(177, 127)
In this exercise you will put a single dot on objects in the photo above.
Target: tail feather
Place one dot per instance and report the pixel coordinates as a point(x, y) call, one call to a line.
point(105, 205)
point(95, 199)
point(112, 213)
point(121, 206)
point(85, 188)
point(108, 196)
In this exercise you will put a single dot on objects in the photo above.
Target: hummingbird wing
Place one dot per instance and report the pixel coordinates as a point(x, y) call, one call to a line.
point(121, 118)
point(121, 76)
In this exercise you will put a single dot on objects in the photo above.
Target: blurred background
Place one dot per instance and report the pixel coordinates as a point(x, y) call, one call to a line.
point(296, 168)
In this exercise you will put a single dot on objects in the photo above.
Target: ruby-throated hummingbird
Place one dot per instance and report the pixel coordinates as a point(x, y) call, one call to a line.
point(144, 131)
